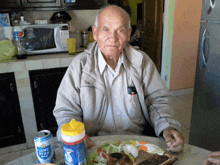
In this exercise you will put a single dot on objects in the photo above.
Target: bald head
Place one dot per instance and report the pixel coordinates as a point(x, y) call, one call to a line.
point(113, 10)
point(112, 31)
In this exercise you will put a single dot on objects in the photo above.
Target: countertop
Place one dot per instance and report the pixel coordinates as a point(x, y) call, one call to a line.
point(35, 62)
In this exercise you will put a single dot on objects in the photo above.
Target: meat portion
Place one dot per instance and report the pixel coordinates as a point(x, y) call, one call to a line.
point(119, 158)
point(145, 158)
point(155, 160)
point(142, 156)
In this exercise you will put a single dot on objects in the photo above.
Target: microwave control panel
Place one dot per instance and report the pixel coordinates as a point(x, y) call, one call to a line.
point(64, 34)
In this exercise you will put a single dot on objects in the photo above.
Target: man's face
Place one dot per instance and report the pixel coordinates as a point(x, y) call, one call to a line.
point(112, 33)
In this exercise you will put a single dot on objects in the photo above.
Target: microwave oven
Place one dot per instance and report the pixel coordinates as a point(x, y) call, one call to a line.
point(41, 39)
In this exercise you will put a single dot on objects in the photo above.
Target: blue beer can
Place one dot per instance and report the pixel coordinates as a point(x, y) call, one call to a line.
point(44, 146)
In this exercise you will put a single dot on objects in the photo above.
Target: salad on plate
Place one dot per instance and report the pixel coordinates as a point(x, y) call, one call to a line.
point(123, 152)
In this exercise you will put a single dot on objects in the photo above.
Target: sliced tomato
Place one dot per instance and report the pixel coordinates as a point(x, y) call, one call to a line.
point(104, 154)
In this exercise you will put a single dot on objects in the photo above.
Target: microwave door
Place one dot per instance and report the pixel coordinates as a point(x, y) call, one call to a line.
point(38, 40)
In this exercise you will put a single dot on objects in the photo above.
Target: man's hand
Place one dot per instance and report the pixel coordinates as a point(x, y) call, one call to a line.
point(213, 158)
point(88, 142)
point(174, 140)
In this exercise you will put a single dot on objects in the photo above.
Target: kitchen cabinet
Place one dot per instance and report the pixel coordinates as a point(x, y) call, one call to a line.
point(11, 130)
point(116, 2)
point(52, 5)
point(9, 5)
point(83, 4)
point(41, 3)
point(44, 86)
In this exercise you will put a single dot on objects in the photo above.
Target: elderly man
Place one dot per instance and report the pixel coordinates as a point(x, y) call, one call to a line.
point(115, 89)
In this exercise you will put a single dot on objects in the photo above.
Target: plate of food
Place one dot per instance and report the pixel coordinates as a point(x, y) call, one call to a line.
point(129, 153)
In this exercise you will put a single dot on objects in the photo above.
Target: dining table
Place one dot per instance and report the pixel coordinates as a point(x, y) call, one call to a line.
point(191, 155)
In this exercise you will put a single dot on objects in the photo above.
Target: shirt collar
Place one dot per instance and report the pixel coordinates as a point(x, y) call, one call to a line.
point(124, 61)
point(102, 63)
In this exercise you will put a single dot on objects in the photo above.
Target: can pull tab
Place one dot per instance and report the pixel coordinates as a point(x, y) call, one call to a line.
point(42, 134)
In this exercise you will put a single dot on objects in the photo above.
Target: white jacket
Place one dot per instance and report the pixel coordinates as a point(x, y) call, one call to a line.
point(82, 93)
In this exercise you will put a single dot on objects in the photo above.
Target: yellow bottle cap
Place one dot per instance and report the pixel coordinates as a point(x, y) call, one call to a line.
point(72, 128)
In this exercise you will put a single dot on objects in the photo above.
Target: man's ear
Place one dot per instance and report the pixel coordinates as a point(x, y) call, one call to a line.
point(94, 31)
point(129, 33)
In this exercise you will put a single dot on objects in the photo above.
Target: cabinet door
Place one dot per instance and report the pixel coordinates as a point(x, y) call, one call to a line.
point(44, 86)
point(83, 4)
point(40, 3)
point(11, 130)
point(115, 2)
point(10, 4)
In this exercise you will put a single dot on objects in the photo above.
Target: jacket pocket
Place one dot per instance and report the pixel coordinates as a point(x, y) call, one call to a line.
point(134, 107)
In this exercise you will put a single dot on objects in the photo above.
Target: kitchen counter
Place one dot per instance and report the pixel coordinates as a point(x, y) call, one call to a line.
point(38, 62)
point(21, 68)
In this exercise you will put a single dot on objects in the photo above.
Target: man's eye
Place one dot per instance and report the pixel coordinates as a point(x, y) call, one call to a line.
point(121, 31)
point(105, 30)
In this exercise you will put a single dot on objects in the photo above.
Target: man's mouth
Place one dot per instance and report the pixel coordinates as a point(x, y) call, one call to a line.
point(113, 46)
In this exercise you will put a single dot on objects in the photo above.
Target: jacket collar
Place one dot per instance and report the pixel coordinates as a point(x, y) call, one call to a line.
point(91, 71)
point(133, 56)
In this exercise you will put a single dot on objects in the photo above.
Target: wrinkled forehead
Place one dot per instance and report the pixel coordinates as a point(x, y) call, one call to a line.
point(113, 23)
point(113, 18)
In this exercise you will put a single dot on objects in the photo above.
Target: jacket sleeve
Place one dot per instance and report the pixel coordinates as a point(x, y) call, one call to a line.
point(157, 99)
point(67, 104)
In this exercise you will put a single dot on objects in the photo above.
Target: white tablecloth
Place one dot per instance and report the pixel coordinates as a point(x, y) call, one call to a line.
point(191, 155)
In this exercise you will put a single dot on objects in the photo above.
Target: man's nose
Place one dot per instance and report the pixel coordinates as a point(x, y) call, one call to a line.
point(113, 36)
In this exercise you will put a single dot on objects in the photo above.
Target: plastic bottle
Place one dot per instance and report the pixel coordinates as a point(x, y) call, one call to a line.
point(90, 35)
point(17, 37)
point(73, 136)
